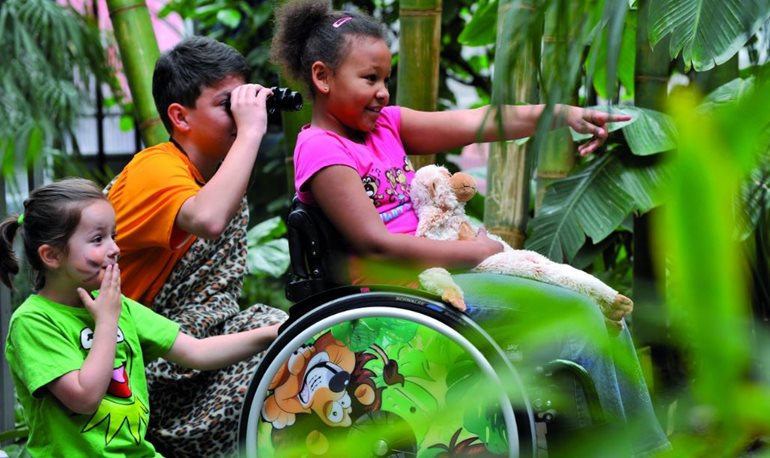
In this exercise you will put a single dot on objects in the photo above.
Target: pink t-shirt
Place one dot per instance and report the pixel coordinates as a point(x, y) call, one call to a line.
point(381, 162)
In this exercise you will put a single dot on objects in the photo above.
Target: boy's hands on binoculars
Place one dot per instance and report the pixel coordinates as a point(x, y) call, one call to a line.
point(248, 106)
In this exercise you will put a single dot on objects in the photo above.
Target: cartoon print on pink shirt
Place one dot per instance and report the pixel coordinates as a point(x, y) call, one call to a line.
point(399, 189)
point(408, 165)
point(372, 185)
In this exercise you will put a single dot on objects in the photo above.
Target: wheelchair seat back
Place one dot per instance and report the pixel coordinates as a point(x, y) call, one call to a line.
point(317, 252)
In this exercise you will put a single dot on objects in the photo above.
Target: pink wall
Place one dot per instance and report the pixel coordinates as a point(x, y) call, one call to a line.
point(168, 31)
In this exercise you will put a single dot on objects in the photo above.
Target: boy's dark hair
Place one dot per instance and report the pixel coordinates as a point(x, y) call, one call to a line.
point(194, 64)
point(51, 215)
point(309, 31)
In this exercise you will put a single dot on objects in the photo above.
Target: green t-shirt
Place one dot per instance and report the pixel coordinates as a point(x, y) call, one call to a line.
point(47, 340)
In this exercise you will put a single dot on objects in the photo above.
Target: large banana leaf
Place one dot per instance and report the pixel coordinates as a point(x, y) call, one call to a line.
point(651, 132)
point(593, 202)
point(706, 32)
point(268, 251)
point(574, 208)
point(728, 93)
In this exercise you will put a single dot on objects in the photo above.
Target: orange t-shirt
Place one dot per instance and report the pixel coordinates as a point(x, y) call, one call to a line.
point(147, 197)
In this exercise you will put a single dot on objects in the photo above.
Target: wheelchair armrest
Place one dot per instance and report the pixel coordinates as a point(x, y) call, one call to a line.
point(315, 251)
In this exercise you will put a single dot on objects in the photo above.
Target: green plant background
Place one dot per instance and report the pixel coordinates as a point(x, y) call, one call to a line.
point(697, 165)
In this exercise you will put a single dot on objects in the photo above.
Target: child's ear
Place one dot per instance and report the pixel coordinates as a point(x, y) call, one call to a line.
point(177, 113)
point(50, 256)
point(320, 73)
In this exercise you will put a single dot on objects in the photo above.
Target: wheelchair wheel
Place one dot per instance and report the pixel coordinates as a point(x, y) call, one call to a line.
point(384, 372)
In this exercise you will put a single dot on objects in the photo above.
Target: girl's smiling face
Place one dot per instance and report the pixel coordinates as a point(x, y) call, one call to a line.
point(358, 89)
point(92, 247)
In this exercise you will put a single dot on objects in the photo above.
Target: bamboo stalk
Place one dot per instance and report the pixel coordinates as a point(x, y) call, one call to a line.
point(506, 210)
point(419, 40)
point(557, 157)
point(139, 52)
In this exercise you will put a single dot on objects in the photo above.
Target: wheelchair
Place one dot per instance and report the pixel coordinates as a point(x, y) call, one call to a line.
point(384, 371)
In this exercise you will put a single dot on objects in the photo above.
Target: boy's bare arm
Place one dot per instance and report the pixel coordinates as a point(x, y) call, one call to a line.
point(208, 213)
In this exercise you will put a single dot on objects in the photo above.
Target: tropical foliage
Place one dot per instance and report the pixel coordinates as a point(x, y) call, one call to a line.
point(51, 56)
point(603, 192)
point(700, 155)
point(705, 160)
point(267, 261)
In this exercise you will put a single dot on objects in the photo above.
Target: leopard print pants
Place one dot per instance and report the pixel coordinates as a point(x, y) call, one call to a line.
point(197, 413)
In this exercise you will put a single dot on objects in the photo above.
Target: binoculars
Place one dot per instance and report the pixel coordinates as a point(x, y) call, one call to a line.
point(283, 99)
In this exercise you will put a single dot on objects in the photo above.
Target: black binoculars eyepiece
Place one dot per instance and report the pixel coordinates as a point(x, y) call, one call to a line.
point(283, 99)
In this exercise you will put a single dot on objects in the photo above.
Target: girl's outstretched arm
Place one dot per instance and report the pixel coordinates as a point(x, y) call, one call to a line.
point(220, 351)
point(341, 196)
point(428, 132)
point(82, 390)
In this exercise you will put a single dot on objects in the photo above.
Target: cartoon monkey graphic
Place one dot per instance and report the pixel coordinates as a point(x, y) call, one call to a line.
point(398, 187)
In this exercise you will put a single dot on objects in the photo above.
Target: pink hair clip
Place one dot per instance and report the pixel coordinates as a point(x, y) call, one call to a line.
point(341, 21)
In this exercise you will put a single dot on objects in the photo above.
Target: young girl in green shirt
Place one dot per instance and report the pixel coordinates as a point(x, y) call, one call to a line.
point(78, 358)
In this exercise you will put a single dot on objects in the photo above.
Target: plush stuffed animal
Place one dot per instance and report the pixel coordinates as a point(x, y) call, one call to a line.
point(439, 201)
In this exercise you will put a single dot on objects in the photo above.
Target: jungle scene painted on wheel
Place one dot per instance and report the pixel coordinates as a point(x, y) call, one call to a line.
point(383, 385)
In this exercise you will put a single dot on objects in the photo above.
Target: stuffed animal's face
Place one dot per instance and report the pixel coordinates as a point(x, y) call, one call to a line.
point(463, 185)
point(433, 185)
point(430, 188)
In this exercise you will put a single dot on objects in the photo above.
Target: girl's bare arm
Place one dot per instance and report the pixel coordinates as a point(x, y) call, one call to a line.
point(220, 351)
point(82, 390)
point(428, 132)
point(340, 194)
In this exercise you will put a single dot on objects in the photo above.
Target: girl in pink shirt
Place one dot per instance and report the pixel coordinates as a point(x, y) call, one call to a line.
point(381, 163)
point(351, 161)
